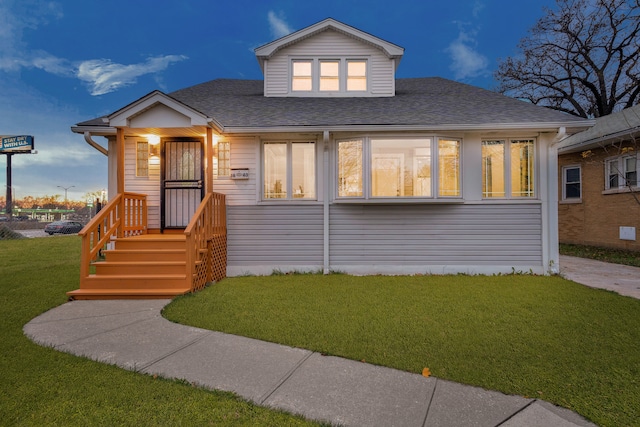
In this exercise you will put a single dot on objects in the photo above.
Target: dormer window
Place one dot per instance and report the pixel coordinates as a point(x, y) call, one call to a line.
point(356, 76)
point(329, 77)
point(302, 77)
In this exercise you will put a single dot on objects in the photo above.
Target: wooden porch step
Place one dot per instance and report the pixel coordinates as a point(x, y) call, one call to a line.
point(144, 243)
point(140, 268)
point(128, 255)
point(98, 294)
point(142, 281)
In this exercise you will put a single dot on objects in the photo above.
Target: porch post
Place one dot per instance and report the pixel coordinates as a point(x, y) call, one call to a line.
point(120, 178)
point(209, 156)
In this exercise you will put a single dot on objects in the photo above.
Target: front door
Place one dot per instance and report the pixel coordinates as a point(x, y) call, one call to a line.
point(182, 181)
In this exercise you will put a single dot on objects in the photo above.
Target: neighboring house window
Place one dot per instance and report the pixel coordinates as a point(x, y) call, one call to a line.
point(330, 76)
point(508, 168)
point(222, 154)
point(142, 158)
point(571, 183)
point(327, 75)
point(356, 76)
point(398, 167)
point(622, 172)
point(289, 170)
point(302, 77)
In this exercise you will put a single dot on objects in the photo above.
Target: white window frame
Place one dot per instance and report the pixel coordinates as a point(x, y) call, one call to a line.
point(620, 164)
point(565, 182)
point(289, 171)
point(367, 179)
point(343, 76)
point(508, 184)
point(223, 163)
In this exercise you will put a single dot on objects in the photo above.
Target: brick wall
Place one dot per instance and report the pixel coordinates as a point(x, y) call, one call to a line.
point(596, 220)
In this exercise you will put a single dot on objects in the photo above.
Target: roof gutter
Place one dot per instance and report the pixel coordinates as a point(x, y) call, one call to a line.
point(91, 142)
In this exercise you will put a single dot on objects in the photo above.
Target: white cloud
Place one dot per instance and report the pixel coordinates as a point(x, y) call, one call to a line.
point(279, 28)
point(465, 60)
point(105, 76)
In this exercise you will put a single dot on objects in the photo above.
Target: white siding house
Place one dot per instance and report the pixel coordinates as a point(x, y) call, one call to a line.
point(332, 164)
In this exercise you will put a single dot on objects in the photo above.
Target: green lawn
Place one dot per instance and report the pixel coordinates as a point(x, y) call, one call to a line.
point(40, 386)
point(541, 337)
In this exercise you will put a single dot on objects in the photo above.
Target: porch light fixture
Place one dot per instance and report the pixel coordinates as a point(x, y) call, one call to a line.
point(154, 145)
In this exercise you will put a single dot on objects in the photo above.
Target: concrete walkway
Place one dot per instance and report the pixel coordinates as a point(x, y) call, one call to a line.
point(135, 336)
point(622, 279)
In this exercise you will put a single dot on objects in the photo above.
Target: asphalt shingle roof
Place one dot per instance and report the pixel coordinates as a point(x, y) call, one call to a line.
point(431, 101)
point(424, 102)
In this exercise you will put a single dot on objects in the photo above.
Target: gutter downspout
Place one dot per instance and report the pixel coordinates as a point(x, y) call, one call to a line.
point(551, 252)
point(325, 200)
point(91, 142)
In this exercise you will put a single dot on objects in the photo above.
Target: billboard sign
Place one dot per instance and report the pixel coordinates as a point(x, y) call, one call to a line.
point(16, 144)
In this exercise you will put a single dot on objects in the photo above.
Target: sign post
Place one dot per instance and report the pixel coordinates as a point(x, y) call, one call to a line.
point(10, 145)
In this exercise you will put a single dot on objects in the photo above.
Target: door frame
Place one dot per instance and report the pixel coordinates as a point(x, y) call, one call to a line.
point(163, 164)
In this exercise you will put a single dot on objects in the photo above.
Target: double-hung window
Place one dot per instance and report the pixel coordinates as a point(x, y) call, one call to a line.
point(380, 167)
point(571, 183)
point(621, 172)
point(289, 170)
point(508, 168)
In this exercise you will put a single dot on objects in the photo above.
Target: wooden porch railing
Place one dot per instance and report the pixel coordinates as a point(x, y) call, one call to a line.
point(206, 238)
point(125, 215)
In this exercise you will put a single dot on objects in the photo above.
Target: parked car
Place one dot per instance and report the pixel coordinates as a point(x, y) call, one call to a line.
point(63, 227)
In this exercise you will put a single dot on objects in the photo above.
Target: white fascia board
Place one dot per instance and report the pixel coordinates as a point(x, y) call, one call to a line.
point(268, 50)
point(95, 130)
point(533, 127)
point(121, 117)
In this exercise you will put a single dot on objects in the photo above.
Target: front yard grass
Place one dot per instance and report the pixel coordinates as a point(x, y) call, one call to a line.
point(40, 386)
point(540, 337)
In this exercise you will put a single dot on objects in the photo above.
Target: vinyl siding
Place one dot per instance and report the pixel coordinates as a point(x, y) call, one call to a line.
point(441, 235)
point(244, 154)
point(274, 236)
point(330, 44)
point(149, 185)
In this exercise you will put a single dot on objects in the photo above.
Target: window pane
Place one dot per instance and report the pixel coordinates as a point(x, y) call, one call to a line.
point(357, 75)
point(303, 170)
point(275, 170)
point(301, 75)
point(142, 158)
point(350, 168)
point(572, 183)
point(522, 179)
point(493, 169)
point(448, 167)
point(221, 161)
point(401, 167)
point(612, 173)
point(631, 171)
point(329, 75)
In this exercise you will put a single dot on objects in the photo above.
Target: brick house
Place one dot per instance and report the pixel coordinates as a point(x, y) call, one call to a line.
point(599, 197)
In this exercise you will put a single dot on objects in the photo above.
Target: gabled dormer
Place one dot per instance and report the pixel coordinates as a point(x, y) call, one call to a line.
point(329, 59)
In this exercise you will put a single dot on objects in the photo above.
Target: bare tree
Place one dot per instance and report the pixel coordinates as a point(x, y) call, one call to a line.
point(582, 58)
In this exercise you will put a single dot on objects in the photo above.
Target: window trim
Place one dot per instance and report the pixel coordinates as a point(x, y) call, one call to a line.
point(565, 183)
point(621, 174)
point(507, 169)
point(289, 171)
point(217, 151)
point(343, 76)
point(367, 179)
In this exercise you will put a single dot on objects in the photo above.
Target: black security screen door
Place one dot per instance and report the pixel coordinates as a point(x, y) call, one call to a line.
point(182, 178)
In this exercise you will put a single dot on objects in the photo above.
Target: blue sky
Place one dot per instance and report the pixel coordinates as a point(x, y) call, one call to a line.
point(63, 62)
